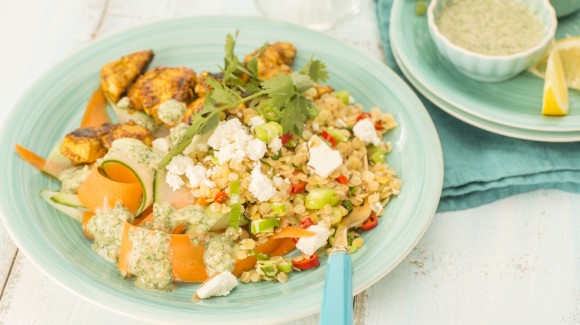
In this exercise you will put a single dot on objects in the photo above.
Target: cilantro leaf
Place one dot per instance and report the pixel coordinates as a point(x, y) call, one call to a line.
point(280, 89)
point(222, 94)
point(316, 70)
point(295, 114)
point(253, 63)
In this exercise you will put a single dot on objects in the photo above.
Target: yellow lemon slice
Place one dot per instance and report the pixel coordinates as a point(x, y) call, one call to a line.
point(569, 50)
point(555, 102)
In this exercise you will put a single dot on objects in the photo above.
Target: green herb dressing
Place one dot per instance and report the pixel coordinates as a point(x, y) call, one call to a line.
point(490, 27)
point(107, 228)
point(219, 252)
point(149, 260)
point(71, 178)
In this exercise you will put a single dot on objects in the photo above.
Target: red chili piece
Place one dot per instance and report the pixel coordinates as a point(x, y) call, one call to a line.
point(220, 197)
point(371, 223)
point(286, 137)
point(298, 187)
point(328, 138)
point(363, 115)
point(307, 263)
point(378, 126)
point(342, 179)
point(305, 223)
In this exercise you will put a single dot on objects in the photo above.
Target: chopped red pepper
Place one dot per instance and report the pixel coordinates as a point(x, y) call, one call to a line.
point(378, 126)
point(286, 137)
point(220, 197)
point(329, 138)
point(297, 188)
point(364, 115)
point(371, 223)
point(306, 222)
point(310, 262)
point(342, 179)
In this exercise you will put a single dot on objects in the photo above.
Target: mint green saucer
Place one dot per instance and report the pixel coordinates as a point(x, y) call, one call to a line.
point(516, 103)
point(485, 124)
point(53, 106)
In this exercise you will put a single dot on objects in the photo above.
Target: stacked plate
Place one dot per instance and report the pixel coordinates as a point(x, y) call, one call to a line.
point(511, 108)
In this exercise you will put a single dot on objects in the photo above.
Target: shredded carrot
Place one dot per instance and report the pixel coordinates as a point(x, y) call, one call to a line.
point(202, 200)
point(125, 252)
point(284, 246)
point(96, 110)
point(97, 191)
point(30, 157)
point(292, 232)
point(180, 229)
point(187, 260)
point(139, 221)
point(119, 172)
point(86, 217)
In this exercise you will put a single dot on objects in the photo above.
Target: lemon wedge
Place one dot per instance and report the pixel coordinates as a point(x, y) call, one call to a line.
point(569, 50)
point(556, 101)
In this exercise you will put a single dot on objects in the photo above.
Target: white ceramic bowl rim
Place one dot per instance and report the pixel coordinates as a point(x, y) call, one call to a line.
point(553, 24)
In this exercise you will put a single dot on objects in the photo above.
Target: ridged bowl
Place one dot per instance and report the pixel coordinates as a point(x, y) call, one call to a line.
point(493, 68)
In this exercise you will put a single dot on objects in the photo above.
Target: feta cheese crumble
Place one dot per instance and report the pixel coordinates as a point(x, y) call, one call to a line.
point(220, 285)
point(275, 145)
point(365, 130)
point(323, 159)
point(261, 186)
point(160, 145)
point(309, 245)
point(195, 174)
point(231, 141)
point(256, 149)
point(256, 121)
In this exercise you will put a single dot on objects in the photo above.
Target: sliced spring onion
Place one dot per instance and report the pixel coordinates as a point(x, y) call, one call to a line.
point(269, 270)
point(347, 204)
point(235, 216)
point(278, 208)
point(262, 256)
point(235, 189)
point(268, 131)
point(340, 135)
point(377, 155)
point(319, 197)
point(353, 190)
point(343, 95)
point(262, 225)
point(284, 266)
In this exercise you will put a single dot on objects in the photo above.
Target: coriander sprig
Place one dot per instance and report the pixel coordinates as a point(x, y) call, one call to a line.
point(284, 92)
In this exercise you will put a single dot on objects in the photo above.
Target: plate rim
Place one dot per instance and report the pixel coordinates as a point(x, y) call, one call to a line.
point(396, 16)
point(476, 121)
point(437, 179)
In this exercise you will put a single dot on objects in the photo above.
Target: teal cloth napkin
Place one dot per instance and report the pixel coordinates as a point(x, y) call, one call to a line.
point(482, 167)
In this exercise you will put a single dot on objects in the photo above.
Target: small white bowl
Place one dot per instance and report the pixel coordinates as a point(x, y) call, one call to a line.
point(493, 68)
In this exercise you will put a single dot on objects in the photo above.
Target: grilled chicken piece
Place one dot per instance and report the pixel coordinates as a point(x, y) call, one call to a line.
point(117, 76)
point(159, 85)
point(86, 145)
point(276, 58)
point(201, 89)
point(128, 130)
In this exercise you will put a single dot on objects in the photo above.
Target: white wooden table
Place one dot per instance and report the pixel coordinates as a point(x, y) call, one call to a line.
point(515, 261)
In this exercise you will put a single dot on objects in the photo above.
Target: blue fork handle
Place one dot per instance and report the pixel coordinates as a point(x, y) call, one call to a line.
point(337, 300)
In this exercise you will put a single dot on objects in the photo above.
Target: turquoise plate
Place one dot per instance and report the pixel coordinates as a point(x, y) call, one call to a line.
point(54, 105)
point(485, 124)
point(515, 103)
